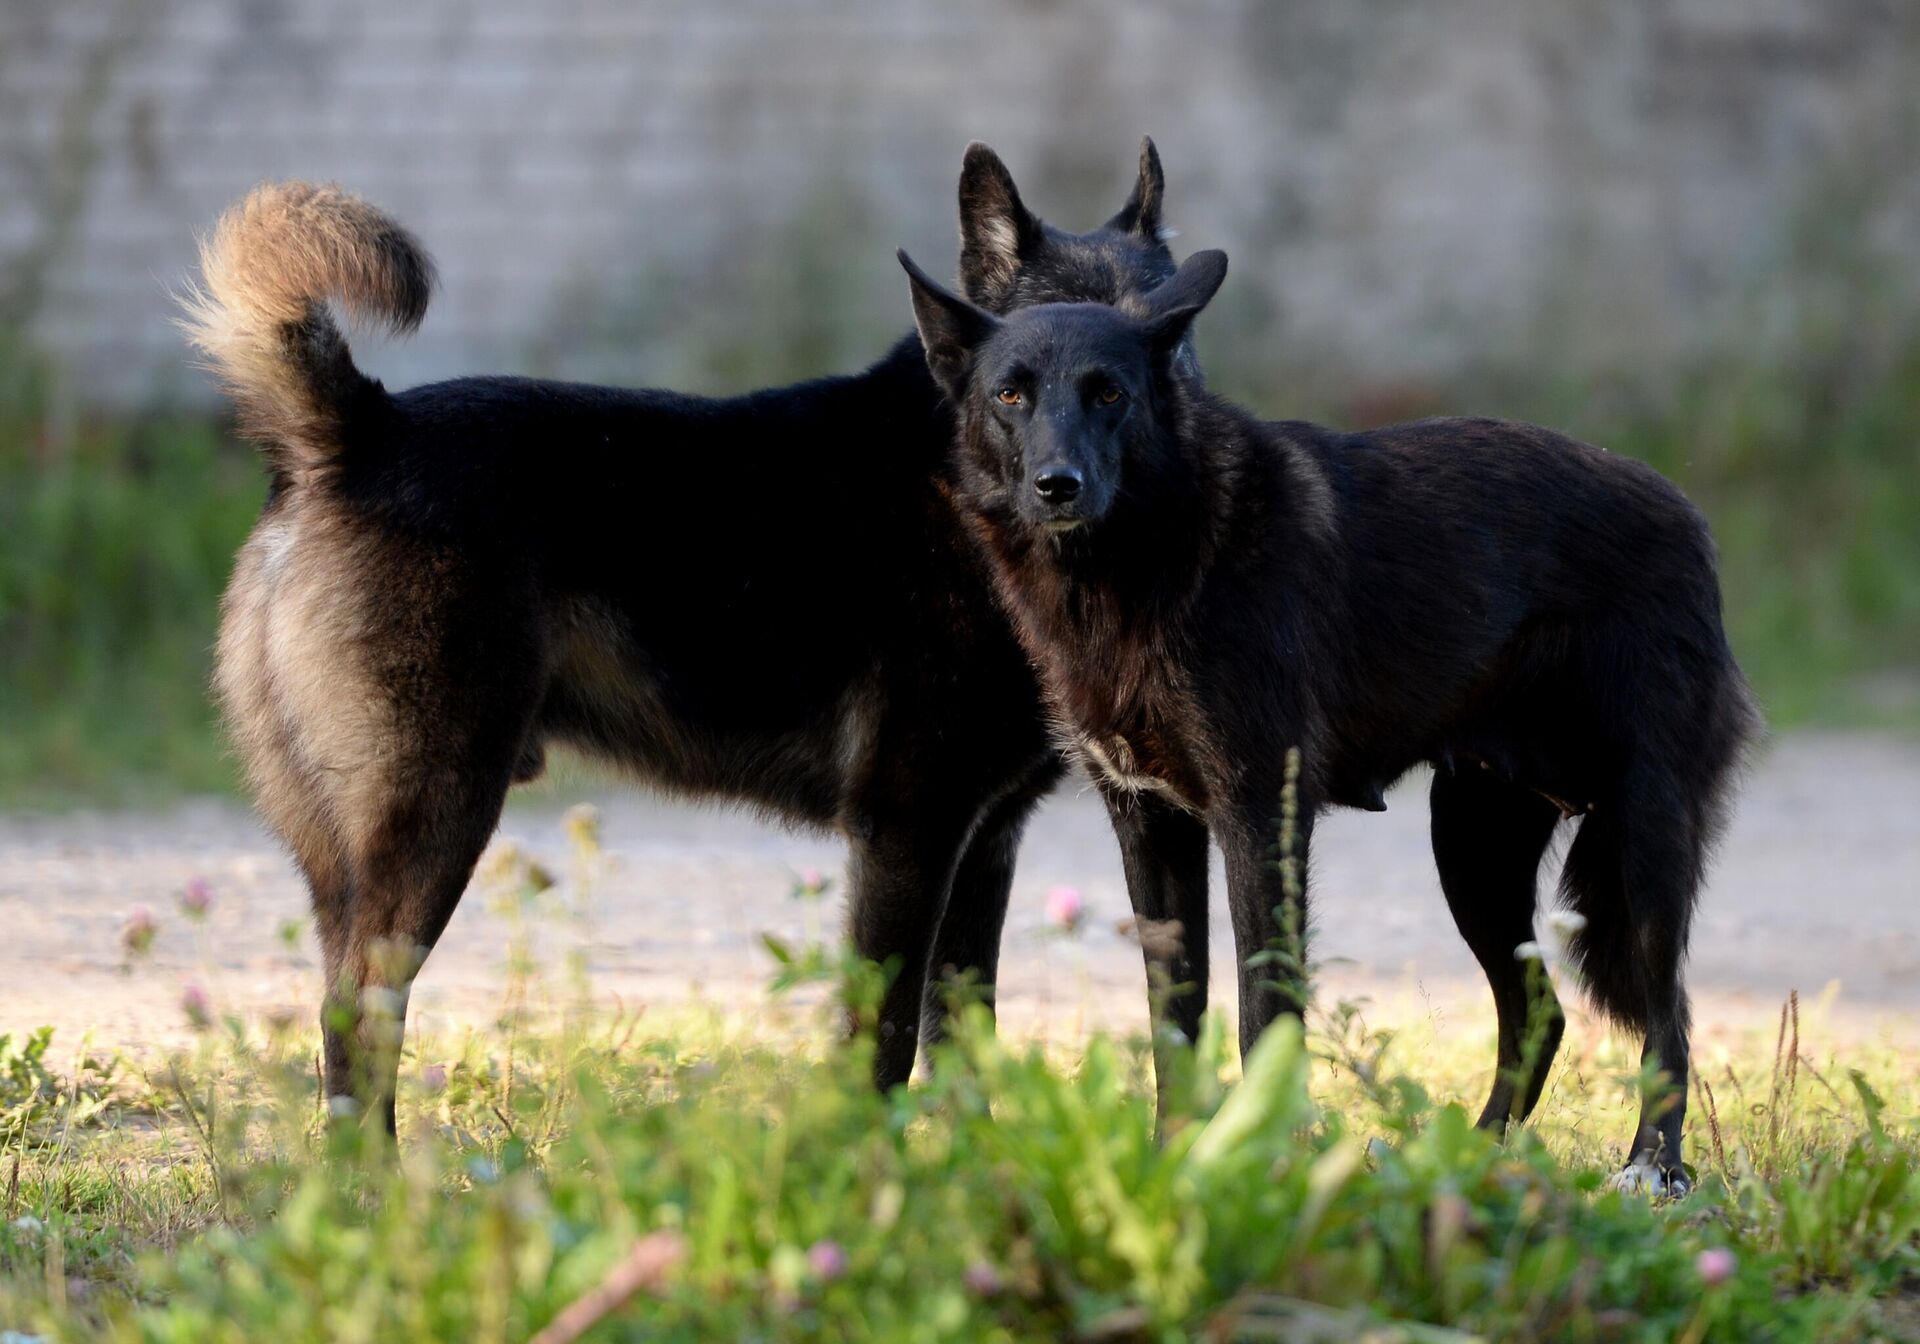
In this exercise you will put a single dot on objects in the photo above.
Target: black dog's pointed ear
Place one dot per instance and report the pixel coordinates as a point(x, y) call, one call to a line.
point(996, 229)
point(950, 328)
point(1172, 307)
point(1141, 214)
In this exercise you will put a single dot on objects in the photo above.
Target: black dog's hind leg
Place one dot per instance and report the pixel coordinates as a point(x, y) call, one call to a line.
point(967, 944)
point(1663, 863)
point(1164, 853)
point(900, 868)
point(1634, 871)
point(1488, 836)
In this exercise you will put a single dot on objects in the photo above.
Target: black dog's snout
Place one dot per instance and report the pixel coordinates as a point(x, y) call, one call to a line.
point(1058, 485)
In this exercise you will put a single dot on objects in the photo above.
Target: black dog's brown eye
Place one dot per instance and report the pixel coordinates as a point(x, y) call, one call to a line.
point(1108, 395)
point(1009, 396)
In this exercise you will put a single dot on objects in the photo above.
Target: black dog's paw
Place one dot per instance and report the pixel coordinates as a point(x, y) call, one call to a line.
point(1645, 1176)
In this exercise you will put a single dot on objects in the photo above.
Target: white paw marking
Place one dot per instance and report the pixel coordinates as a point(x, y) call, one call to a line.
point(1639, 1178)
point(1642, 1177)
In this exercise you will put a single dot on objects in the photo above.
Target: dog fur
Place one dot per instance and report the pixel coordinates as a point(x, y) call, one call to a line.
point(764, 599)
point(1203, 591)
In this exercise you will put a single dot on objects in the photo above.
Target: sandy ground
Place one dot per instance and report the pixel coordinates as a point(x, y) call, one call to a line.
point(1818, 882)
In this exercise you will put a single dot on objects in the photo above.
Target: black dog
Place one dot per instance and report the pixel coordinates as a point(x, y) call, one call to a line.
point(767, 598)
point(1203, 591)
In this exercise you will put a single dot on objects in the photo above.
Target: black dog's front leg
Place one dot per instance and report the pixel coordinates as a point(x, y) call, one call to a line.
point(1164, 853)
point(1267, 895)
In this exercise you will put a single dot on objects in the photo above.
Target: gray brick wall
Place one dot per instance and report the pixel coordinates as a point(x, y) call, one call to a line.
point(1405, 189)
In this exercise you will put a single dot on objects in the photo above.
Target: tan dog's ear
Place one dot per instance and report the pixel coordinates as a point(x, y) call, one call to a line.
point(996, 229)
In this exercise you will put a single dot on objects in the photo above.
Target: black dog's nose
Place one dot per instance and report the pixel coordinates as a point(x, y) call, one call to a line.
point(1057, 485)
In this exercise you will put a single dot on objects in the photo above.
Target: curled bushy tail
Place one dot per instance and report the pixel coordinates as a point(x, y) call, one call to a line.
point(260, 314)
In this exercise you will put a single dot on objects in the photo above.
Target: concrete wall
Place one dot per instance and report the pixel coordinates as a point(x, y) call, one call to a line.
point(1408, 190)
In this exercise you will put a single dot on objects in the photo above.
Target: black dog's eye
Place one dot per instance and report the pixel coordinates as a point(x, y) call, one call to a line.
point(1108, 395)
point(1009, 396)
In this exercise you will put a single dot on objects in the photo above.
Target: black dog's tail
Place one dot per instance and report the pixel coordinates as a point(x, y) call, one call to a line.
point(261, 317)
point(1606, 950)
point(1636, 865)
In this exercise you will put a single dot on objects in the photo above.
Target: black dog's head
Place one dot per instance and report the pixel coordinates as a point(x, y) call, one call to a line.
point(1010, 259)
point(1060, 403)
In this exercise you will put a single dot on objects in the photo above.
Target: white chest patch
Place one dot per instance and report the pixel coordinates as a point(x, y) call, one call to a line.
point(1114, 761)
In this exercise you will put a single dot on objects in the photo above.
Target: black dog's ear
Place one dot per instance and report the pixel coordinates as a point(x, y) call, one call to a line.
point(950, 328)
point(1172, 307)
point(1141, 214)
point(996, 230)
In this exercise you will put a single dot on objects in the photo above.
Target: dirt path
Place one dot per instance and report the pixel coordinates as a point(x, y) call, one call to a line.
point(1819, 881)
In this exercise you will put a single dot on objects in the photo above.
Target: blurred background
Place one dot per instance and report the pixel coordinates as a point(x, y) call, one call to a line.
point(1684, 229)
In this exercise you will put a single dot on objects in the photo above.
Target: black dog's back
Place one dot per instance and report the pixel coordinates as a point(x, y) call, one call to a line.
point(1521, 574)
point(709, 571)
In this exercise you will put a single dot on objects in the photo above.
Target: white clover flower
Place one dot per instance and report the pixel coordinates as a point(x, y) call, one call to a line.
point(581, 822)
point(1530, 951)
point(1565, 923)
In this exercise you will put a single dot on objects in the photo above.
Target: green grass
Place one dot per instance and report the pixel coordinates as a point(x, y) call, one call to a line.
point(114, 547)
point(116, 539)
point(742, 1178)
